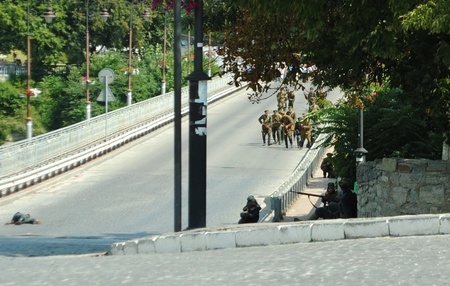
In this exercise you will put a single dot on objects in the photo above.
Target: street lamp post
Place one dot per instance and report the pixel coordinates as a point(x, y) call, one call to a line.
point(130, 54)
point(177, 73)
point(360, 152)
point(48, 16)
point(145, 16)
point(209, 55)
point(189, 51)
point(104, 15)
point(163, 80)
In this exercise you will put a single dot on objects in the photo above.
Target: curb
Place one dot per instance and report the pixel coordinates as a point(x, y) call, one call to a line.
point(263, 234)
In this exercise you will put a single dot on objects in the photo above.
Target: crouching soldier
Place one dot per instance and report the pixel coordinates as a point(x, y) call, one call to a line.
point(250, 213)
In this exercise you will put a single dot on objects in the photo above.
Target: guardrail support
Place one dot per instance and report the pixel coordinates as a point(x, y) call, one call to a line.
point(276, 207)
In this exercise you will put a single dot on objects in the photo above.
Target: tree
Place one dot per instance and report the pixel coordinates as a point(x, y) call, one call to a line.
point(353, 44)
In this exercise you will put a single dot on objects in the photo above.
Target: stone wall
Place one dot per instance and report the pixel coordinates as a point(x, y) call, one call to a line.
point(395, 186)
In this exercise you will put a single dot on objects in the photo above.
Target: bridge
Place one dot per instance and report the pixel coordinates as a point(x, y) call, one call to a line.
point(109, 196)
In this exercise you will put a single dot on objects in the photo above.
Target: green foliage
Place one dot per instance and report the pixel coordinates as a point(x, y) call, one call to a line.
point(395, 129)
point(341, 121)
point(391, 129)
point(10, 102)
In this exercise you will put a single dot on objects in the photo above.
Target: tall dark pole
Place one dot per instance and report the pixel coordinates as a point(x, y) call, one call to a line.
point(28, 119)
point(163, 79)
point(360, 152)
point(88, 101)
point(177, 111)
point(130, 57)
point(197, 128)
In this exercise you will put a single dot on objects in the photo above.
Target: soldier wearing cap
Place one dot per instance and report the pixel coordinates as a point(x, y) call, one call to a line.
point(281, 98)
point(348, 201)
point(250, 212)
point(306, 132)
point(330, 202)
point(266, 126)
point(276, 127)
point(344, 207)
point(292, 113)
point(327, 166)
point(291, 98)
point(288, 128)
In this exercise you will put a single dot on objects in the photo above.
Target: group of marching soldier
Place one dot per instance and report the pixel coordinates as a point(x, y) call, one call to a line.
point(282, 125)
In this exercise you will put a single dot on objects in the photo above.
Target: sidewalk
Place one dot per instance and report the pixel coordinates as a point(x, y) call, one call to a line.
point(303, 207)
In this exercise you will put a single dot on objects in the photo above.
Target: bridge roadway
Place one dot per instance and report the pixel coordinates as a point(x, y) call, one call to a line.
point(129, 192)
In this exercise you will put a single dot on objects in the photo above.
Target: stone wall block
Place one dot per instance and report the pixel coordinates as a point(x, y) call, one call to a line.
point(434, 166)
point(404, 168)
point(389, 164)
point(432, 194)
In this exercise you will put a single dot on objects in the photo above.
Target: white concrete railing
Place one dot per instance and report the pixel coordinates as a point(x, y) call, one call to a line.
point(29, 161)
point(278, 203)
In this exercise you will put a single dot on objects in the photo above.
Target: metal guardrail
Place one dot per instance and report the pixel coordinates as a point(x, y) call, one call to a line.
point(27, 161)
point(279, 202)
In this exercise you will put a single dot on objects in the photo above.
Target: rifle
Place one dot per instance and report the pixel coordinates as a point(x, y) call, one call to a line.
point(313, 195)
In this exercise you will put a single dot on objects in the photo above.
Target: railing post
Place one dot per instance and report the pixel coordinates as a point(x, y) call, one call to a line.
point(276, 207)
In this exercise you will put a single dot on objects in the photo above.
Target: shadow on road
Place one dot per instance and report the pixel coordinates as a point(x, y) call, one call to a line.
point(64, 245)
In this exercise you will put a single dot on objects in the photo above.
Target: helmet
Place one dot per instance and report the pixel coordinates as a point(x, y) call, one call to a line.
point(250, 198)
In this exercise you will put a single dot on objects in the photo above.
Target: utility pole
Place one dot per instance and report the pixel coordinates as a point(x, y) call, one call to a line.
point(197, 128)
point(177, 111)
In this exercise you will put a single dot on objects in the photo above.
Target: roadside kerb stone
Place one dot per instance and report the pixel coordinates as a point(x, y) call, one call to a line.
point(130, 247)
point(220, 240)
point(146, 245)
point(365, 229)
point(445, 224)
point(294, 233)
point(193, 241)
point(257, 237)
point(167, 244)
point(286, 233)
point(327, 230)
point(414, 225)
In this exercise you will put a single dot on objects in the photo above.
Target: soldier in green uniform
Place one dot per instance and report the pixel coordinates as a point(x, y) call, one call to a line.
point(291, 98)
point(288, 128)
point(292, 113)
point(276, 127)
point(306, 133)
point(266, 127)
point(281, 98)
point(327, 166)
